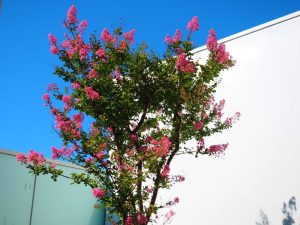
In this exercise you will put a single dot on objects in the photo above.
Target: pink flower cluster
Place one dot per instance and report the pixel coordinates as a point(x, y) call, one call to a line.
point(67, 126)
point(122, 46)
point(217, 149)
point(92, 74)
point(57, 153)
point(91, 93)
point(169, 215)
point(77, 46)
point(231, 120)
point(75, 86)
point(98, 192)
point(183, 65)
point(67, 100)
point(82, 26)
point(71, 16)
point(201, 145)
point(21, 158)
point(134, 137)
point(161, 147)
point(176, 38)
point(101, 53)
point(129, 36)
point(78, 119)
point(100, 155)
point(221, 56)
point(142, 219)
point(106, 36)
point(117, 73)
point(166, 171)
point(52, 87)
point(149, 189)
point(129, 220)
point(34, 157)
point(198, 125)
point(53, 44)
point(218, 108)
point(46, 98)
point(193, 25)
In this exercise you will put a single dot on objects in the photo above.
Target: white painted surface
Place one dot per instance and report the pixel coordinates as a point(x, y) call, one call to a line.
point(261, 168)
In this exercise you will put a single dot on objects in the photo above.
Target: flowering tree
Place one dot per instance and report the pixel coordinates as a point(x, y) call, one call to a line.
point(143, 110)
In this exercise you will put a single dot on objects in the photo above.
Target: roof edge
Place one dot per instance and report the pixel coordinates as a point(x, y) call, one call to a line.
point(253, 29)
point(57, 162)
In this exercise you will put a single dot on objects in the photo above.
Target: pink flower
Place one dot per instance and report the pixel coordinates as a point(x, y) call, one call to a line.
point(176, 200)
point(211, 42)
point(183, 65)
point(129, 221)
point(55, 153)
point(68, 102)
point(161, 147)
point(84, 51)
point(52, 87)
point(89, 160)
point(91, 94)
point(193, 25)
point(122, 46)
point(72, 14)
point(66, 44)
point(52, 39)
point(134, 137)
point(201, 144)
point(106, 36)
point(98, 193)
point(142, 219)
point(181, 178)
point(166, 171)
point(82, 26)
point(168, 39)
point(222, 55)
point(169, 215)
point(218, 108)
point(100, 155)
point(75, 86)
point(117, 73)
point(21, 158)
point(149, 189)
point(101, 53)
point(217, 149)
point(54, 50)
point(198, 125)
point(78, 118)
point(176, 38)
point(230, 120)
point(46, 98)
point(129, 36)
point(66, 126)
point(36, 158)
point(92, 74)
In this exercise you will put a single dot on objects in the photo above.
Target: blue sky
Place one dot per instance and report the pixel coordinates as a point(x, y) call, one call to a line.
point(26, 65)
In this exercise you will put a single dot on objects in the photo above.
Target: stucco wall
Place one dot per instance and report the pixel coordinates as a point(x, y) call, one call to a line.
point(261, 168)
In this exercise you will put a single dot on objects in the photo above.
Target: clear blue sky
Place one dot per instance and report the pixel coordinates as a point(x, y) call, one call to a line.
point(26, 65)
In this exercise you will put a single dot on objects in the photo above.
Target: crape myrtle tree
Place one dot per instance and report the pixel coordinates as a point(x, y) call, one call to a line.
point(143, 109)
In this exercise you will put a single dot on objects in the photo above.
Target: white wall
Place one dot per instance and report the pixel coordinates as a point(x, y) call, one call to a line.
point(261, 168)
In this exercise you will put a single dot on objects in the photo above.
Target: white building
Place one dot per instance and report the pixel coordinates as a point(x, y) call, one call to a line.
point(261, 168)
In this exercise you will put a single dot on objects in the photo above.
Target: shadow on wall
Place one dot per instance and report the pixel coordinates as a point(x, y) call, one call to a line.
point(263, 218)
point(289, 209)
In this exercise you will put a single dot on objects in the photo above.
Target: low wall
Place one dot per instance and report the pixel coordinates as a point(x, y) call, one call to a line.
point(26, 199)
